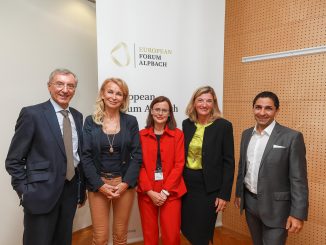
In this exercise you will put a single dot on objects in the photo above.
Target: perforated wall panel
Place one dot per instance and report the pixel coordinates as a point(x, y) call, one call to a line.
point(256, 27)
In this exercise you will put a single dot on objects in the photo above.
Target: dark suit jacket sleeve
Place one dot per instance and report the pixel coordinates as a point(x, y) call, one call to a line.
point(93, 178)
point(298, 178)
point(228, 163)
point(131, 175)
point(18, 150)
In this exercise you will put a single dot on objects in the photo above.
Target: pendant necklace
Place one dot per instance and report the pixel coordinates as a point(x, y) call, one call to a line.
point(111, 150)
point(111, 144)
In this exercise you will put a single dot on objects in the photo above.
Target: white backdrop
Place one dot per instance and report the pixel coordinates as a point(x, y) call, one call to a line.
point(38, 36)
point(162, 47)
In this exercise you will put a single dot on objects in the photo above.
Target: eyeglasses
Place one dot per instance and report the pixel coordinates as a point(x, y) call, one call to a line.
point(160, 111)
point(60, 85)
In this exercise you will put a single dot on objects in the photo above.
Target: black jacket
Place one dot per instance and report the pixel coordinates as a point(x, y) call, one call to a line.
point(130, 150)
point(36, 158)
point(217, 155)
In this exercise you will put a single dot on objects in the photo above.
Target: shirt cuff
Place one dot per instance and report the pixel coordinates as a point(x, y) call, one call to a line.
point(166, 193)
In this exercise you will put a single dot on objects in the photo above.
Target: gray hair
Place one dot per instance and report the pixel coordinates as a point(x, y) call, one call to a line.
point(62, 71)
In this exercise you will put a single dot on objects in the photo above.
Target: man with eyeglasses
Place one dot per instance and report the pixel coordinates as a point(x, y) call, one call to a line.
point(43, 161)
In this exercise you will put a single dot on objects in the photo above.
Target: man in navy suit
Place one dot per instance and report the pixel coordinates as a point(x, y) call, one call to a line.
point(39, 162)
point(272, 181)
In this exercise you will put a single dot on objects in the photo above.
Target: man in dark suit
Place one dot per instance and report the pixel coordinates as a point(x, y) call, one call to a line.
point(272, 177)
point(43, 161)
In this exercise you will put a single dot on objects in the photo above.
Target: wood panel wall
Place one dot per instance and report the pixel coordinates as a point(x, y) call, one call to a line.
point(258, 27)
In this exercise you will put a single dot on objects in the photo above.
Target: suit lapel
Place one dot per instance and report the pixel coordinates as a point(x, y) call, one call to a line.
point(77, 122)
point(96, 131)
point(123, 130)
point(192, 130)
point(52, 120)
point(246, 139)
point(79, 128)
point(271, 141)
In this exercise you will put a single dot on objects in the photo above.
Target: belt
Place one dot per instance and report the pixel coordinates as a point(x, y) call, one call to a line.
point(251, 194)
point(110, 175)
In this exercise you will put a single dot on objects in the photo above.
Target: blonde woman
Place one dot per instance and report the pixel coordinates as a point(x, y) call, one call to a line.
point(111, 161)
point(209, 166)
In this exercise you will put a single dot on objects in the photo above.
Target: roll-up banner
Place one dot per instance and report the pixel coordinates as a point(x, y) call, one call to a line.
point(160, 47)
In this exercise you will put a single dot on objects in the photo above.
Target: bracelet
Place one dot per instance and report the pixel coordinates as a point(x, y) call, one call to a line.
point(165, 192)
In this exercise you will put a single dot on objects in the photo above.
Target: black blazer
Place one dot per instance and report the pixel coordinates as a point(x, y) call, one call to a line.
point(217, 155)
point(36, 158)
point(130, 151)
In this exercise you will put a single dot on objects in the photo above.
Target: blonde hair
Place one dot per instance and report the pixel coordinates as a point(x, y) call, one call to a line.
point(98, 114)
point(191, 111)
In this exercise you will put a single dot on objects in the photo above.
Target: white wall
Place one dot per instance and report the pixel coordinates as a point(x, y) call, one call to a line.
point(37, 36)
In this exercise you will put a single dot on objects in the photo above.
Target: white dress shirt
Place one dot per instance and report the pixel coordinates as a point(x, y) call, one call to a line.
point(255, 153)
point(57, 110)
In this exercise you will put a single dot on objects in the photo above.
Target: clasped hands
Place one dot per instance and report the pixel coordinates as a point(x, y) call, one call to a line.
point(111, 191)
point(158, 198)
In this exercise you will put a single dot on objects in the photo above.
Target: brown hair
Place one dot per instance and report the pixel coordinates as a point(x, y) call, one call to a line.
point(171, 123)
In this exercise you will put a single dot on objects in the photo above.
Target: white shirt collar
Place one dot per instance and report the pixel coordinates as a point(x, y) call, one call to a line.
point(267, 130)
point(57, 107)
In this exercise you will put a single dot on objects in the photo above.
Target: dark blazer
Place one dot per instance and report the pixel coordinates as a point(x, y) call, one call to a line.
point(36, 158)
point(217, 155)
point(282, 178)
point(130, 148)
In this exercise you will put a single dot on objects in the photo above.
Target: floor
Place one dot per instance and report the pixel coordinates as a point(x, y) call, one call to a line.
point(222, 236)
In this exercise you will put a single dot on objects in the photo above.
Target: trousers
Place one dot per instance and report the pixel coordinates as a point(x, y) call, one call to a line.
point(55, 227)
point(168, 216)
point(100, 207)
point(260, 233)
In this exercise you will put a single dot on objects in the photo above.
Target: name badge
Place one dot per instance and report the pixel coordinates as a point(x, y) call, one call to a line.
point(158, 174)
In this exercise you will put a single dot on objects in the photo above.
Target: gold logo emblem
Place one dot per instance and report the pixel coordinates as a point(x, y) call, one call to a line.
point(120, 55)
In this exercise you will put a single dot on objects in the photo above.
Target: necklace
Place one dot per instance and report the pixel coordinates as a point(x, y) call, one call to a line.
point(111, 150)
